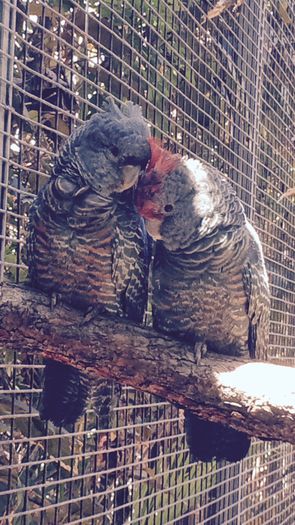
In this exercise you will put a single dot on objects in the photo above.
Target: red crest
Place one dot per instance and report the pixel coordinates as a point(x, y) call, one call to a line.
point(162, 162)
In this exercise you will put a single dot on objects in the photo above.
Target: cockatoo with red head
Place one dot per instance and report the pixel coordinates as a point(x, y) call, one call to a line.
point(209, 282)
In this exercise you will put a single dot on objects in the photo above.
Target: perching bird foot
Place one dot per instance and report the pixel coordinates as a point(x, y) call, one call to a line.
point(55, 299)
point(200, 350)
point(92, 313)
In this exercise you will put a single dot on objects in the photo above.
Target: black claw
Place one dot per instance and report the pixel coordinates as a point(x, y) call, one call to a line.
point(55, 299)
point(200, 350)
point(92, 313)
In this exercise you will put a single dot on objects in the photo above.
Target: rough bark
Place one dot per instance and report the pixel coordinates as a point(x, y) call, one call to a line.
point(258, 398)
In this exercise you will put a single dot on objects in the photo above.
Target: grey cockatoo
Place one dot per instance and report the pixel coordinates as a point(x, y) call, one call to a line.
point(86, 242)
point(210, 285)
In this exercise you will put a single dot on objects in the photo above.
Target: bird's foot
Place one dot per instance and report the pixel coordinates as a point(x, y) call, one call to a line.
point(92, 313)
point(55, 299)
point(200, 350)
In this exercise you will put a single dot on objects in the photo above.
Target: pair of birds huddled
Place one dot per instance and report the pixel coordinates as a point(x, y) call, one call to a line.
point(88, 244)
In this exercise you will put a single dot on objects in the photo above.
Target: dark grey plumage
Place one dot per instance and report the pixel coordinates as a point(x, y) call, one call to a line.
point(87, 244)
point(209, 280)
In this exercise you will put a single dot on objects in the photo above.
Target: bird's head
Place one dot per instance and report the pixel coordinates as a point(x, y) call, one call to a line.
point(112, 148)
point(174, 197)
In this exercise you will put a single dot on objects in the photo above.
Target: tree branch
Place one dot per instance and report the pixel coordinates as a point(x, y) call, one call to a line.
point(258, 398)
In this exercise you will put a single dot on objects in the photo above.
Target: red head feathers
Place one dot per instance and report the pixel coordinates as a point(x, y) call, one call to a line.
point(162, 162)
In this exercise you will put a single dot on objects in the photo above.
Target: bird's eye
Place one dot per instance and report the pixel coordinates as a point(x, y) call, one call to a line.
point(168, 208)
point(115, 151)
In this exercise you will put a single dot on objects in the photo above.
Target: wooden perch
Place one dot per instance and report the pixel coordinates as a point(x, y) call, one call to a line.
point(258, 398)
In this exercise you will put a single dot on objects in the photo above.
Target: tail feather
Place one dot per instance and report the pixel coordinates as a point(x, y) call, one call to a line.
point(207, 440)
point(104, 399)
point(65, 393)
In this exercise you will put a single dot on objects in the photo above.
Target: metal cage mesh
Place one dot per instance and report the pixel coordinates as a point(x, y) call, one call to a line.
point(221, 89)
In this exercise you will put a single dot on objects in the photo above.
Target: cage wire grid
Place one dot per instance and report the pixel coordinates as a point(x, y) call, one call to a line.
point(220, 89)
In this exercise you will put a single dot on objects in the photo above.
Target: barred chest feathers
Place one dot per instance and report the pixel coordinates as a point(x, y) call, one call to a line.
point(197, 296)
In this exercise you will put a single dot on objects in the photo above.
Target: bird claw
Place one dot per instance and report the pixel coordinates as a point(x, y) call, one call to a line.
point(55, 299)
point(200, 350)
point(91, 314)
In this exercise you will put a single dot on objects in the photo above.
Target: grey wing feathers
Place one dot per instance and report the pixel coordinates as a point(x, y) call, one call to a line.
point(137, 290)
point(130, 263)
point(256, 288)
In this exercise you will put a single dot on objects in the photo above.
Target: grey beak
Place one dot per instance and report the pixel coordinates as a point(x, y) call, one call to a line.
point(130, 176)
point(153, 228)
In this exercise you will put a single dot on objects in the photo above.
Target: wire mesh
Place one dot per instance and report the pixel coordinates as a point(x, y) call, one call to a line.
point(221, 89)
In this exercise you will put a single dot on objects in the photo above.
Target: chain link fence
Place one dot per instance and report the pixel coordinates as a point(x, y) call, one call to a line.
point(222, 89)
